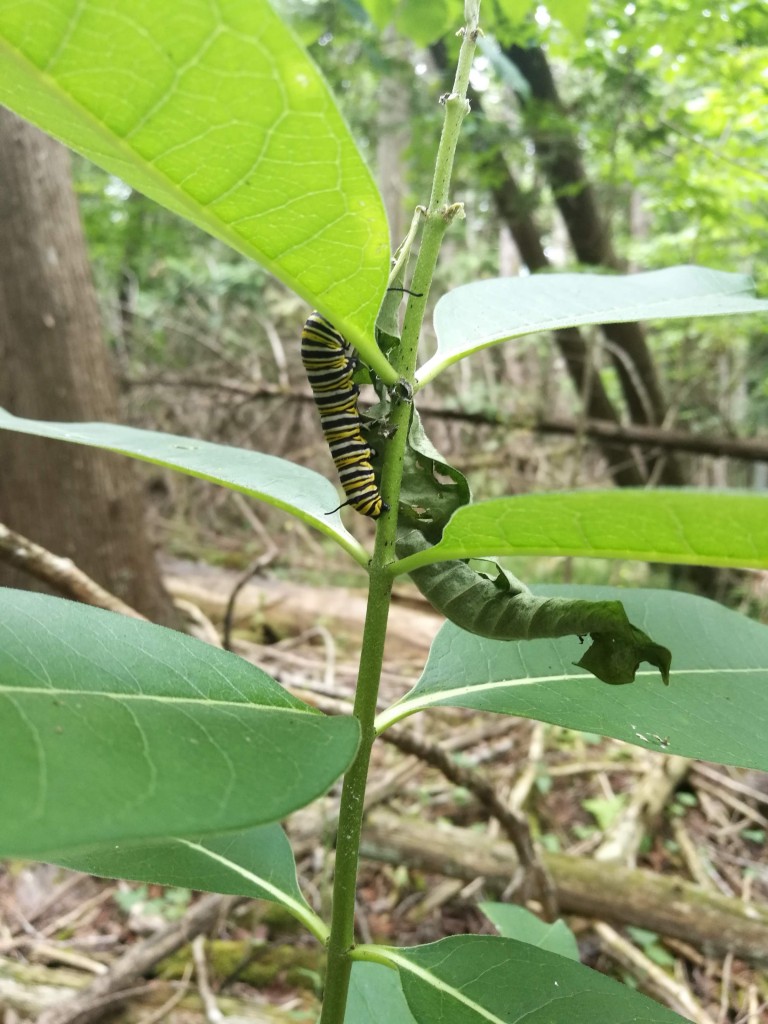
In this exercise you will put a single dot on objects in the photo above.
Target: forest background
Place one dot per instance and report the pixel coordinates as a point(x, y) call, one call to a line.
point(652, 147)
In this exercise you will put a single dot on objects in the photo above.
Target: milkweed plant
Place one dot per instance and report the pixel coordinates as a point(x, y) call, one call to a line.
point(129, 750)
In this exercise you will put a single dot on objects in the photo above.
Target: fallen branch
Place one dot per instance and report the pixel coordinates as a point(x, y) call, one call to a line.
point(666, 905)
point(749, 449)
point(60, 573)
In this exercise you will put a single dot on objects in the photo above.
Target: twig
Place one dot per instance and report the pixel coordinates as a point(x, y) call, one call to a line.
point(691, 856)
point(676, 995)
point(725, 988)
point(69, 957)
point(708, 772)
point(513, 823)
point(731, 801)
point(622, 840)
point(525, 781)
point(749, 449)
point(174, 1000)
point(212, 1012)
point(60, 573)
point(120, 982)
point(256, 567)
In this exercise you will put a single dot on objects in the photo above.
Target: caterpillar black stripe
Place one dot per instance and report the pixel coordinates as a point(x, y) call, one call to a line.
point(329, 364)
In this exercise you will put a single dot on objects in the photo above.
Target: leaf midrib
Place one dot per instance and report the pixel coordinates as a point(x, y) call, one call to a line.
point(46, 691)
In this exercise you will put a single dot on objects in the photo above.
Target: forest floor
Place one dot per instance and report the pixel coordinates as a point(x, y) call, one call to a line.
point(630, 822)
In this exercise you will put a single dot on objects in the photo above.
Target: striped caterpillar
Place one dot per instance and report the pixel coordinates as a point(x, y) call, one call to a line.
point(329, 364)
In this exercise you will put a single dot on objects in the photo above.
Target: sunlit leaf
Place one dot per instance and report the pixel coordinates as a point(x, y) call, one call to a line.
point(216, 112)
point(726, 528)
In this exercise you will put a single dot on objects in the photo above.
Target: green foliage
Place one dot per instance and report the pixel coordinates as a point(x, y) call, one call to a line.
point(115, 730)
point(518, 923)
point(466, 979)
point(260, 158)
point(605, 810)
point(257, 863)
point(172, 905)
point(134, 751)
point(297, 490)
point(684, 526)
point(719, 666)
point(499, 607)
point(513, 307)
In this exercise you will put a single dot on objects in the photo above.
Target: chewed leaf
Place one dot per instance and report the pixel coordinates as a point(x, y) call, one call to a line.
point(714, 708)
point(504, 609)
point(615, 658)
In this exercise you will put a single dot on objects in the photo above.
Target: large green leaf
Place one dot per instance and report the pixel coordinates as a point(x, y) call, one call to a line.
point(112, 729)
point(297, 490)
point(483, 979)
point(485, 313)
point(257, 863)
point(215, 111)
point(690, 527)
point(715, 707)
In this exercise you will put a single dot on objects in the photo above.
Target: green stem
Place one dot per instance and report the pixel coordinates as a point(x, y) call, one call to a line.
point(438, 217)
point(342, 938)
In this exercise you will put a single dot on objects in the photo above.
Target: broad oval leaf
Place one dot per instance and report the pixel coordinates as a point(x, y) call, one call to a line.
point(679, 526)
point(112, 729)
point(513, 922)
point(286, 485)
point(257, 863)
point(714, 708)
point(485, 313)
point(482, 979)
point(216, 112)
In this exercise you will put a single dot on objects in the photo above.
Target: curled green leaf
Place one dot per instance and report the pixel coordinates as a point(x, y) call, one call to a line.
point(502, 608)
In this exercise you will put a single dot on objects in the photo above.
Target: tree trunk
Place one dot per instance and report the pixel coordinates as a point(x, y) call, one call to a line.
point(76, 501)
point(559, 156)
point(514, 209)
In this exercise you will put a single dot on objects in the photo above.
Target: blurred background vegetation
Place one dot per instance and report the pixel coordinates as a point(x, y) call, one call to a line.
point(621, 137)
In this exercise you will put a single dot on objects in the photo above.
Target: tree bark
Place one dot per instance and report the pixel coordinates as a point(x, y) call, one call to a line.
point(77, 502)
point(515, 210)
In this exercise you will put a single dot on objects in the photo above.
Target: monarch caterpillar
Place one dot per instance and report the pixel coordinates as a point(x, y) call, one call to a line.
point(329, 364)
